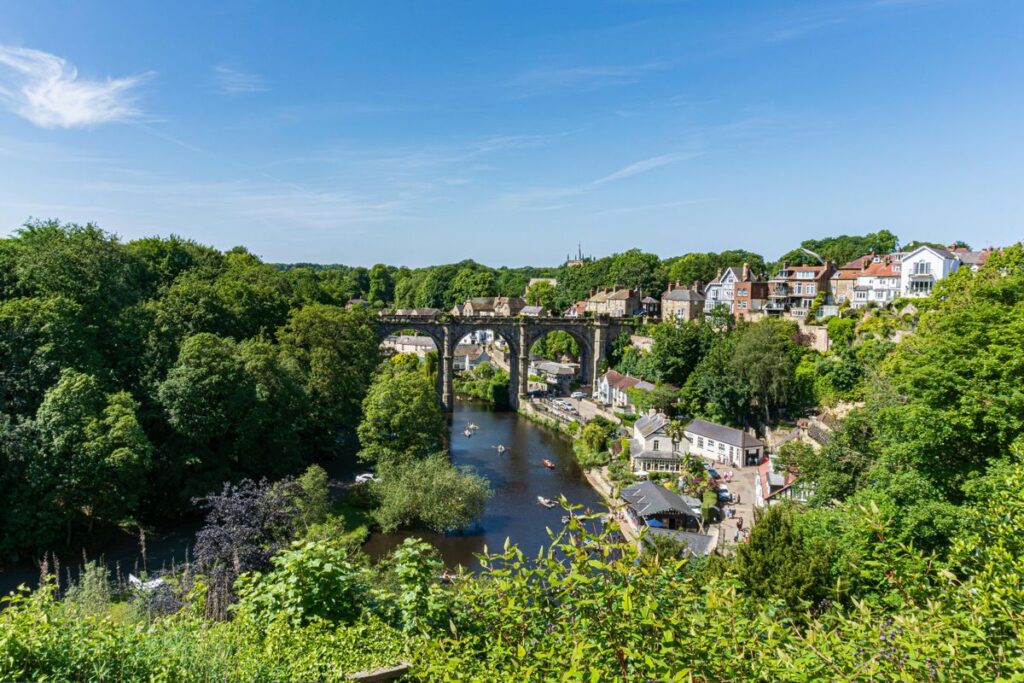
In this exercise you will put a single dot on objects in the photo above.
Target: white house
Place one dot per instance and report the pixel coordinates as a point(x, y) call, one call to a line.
point(404, 343)
point(877, 283)
point(651, 449)
point(724, 444)
point(721, 290)
point(468, 356)
point(923, 267)
point(612, 387)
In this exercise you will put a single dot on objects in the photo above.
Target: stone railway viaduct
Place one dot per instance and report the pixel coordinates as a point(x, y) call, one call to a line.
point(594, 336)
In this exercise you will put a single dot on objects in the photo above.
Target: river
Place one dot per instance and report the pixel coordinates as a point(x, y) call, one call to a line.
point(517, 477)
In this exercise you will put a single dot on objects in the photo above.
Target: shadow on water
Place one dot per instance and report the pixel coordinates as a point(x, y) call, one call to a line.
point(517, 477)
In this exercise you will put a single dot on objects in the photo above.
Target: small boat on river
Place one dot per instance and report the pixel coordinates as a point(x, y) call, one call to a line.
point(468, 433)
point(546, 502)
point(501, 448)
point(547, 463)
point(472, 426)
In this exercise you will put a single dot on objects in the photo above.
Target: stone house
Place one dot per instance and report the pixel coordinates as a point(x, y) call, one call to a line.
point(615, 302)
point(682, 303)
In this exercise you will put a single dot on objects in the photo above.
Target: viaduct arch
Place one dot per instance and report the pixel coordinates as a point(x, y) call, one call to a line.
point(594, 336)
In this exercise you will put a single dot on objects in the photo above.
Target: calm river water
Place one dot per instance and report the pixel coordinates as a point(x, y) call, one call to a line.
point(517, 477)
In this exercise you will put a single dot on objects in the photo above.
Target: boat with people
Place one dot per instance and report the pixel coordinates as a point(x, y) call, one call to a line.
point(546, 502)
point(547, 463)
point(501, 448)
point(468, 433)
point(472, 426)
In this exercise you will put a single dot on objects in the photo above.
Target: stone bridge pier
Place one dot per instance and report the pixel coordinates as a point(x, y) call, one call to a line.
point(593, 335)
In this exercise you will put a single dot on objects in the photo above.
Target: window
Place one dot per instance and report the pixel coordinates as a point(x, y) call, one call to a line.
point(921, 287)
point(700, 442)
point(922, 268)
point(798, 288)
point(657, 444)
point(810, 289)
point(711, 443)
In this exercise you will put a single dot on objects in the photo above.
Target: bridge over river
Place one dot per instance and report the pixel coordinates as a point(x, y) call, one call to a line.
point(594, 336)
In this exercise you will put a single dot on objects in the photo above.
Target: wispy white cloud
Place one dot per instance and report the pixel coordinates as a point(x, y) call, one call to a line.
point(575, 78)
point(541, 198)
point(46, 90)
point(234, 81)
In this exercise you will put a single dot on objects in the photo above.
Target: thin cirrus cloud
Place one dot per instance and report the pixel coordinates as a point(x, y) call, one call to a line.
point(541, 198)
point(46, 90)
point(234, 81)
point(576, 78)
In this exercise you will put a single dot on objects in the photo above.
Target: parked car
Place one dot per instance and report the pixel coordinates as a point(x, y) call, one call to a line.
point(365, 477)
point(724, 494)
point(578, 395)
point(713, 473)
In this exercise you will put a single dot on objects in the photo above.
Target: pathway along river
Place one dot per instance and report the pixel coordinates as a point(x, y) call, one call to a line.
point(517, 477)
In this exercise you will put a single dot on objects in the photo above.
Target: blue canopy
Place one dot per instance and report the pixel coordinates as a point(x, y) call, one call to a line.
point(655, 523)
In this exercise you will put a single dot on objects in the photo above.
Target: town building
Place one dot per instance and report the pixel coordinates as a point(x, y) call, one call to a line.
point(877, 283)
point(844, 278)
point(772, 486)
point(650, 307)
point(404, 343)
point(750, 294)
point(972, 259)
point(724, 444)
point(500, 306)
point(468, 356)
point(415, 312)
point(682, 303)
point(612, 387)
point(923, 267)
point(721, 291)
point(793, 289)
point(651, 449)
point(648, 504)
point(532, 311)
point(614, 302)
point(557, 376)
point(576, 310)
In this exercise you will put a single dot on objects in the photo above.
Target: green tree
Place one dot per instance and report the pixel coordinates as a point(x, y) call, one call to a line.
point(765, 358)
point(777, 563)
point(335, 352)
point(637, 270)
point(429, 492)
point(541, 294)
point(309, 581)
point(402, 420)
point(678, 348)
point(382, 285)
point(94, 453)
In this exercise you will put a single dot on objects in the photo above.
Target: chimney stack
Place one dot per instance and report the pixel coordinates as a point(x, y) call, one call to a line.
point(746, 272)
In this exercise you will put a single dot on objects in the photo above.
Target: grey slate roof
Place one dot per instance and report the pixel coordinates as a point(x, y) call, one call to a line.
point(648, 424)
point(697, 544)
point(726, 435)
point(647, 498)
point(683, 294)
point(532, 310)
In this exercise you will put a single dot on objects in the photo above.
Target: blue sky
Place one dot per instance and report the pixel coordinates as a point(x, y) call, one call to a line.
point(426, 132)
